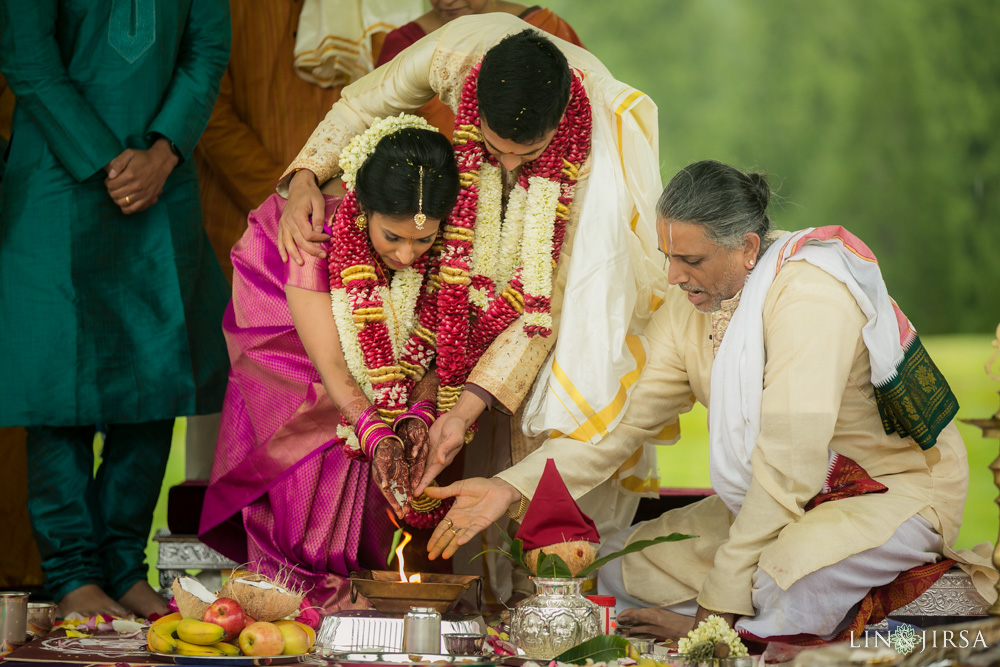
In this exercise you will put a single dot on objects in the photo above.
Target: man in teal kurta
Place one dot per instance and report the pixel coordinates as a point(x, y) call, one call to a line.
point(111, 299)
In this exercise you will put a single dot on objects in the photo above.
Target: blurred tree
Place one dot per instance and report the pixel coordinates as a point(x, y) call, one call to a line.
point(879, 116)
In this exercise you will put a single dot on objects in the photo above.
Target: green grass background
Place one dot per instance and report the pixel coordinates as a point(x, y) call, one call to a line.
point(961, 358)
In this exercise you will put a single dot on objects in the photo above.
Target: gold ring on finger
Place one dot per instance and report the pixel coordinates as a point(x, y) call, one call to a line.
point(454, 530)
point(127, 200)
point(450, 522)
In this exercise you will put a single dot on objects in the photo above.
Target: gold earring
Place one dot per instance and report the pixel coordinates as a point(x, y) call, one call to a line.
point(361, 221)
point(420, 218)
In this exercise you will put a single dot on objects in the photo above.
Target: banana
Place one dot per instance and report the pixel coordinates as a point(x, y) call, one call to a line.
point(160, 637)
point(187, 648)
point(227, 648)
point(198, 632)
point(168, 618)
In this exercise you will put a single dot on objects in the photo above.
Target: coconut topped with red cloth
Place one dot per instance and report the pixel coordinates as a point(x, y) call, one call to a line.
point(555, 524)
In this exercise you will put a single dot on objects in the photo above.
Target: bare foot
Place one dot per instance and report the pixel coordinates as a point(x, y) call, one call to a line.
point(659, 623)
point(89, 600)
point(142, 600)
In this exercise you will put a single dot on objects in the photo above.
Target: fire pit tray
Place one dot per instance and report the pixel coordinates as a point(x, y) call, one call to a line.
point(388, 594)
point(408, 660)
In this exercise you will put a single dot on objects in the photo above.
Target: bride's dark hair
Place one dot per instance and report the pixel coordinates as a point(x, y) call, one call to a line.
point(389, 180)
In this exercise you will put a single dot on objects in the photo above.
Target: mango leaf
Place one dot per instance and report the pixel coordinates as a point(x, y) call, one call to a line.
point(632, 548)
point(603, 648)
point(517, 553)
point(397, 537)
point(515, 549)
point(552, 566)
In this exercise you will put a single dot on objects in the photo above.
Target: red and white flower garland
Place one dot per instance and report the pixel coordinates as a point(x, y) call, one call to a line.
point(489, 274)
point(386, 361)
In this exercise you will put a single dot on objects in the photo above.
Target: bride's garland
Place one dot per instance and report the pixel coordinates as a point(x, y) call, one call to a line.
point(386, 356)
point(490, 273)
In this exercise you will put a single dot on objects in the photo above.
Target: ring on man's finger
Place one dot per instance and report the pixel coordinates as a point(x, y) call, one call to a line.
point(127, 200)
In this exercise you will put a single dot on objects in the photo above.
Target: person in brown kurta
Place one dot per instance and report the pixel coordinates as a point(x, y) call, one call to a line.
point(262, 117)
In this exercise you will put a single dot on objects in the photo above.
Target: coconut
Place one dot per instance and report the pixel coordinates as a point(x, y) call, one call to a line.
point(577, 554)
point(261, 597)
point(192, 597)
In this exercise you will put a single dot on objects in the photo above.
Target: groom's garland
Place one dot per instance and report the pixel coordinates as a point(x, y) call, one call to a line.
point(490, 273)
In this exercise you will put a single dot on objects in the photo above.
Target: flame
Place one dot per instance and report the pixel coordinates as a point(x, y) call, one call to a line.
point(399, 554)
point(414, 578)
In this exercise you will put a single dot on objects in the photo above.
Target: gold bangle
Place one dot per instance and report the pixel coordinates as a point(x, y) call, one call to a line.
point(522, 507)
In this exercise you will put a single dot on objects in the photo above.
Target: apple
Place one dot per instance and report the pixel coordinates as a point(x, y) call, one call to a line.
point(296, 639)
point(262, 638)
point(305, 626)
point(227, 614)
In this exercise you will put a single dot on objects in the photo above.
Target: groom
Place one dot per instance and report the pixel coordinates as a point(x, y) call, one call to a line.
point(545, 108)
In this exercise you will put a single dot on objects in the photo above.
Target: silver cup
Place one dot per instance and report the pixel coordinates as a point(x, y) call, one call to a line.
point(13, 620)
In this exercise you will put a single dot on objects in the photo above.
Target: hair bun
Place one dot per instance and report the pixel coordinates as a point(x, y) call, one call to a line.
point(760, 189)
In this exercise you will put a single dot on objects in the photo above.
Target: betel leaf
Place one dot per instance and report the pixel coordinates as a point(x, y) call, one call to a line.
point(552, 566)
point(632, 548)
point(397, 537)
point(602, 648)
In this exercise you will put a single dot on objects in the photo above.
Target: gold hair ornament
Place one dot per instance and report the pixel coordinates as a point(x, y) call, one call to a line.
point(420, 218)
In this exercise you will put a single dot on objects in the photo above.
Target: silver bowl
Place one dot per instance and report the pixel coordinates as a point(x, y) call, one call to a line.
point(41, 617)
point(464, 643)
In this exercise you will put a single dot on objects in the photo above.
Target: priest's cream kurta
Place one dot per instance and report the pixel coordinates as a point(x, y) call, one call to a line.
point(610, 274)
point(817, 398)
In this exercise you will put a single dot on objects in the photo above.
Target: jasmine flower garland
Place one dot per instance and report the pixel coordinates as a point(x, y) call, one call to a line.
point(537, 212)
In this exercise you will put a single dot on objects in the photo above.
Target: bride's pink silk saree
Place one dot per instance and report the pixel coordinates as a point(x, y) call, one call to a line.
point(282, 496)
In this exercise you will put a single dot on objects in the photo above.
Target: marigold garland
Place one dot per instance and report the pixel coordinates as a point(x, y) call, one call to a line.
point(489, 274)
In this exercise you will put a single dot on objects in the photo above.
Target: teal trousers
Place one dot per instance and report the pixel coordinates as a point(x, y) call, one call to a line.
point(93, 529)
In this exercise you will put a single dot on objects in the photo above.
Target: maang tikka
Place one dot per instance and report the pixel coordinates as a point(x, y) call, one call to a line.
point(420, 218)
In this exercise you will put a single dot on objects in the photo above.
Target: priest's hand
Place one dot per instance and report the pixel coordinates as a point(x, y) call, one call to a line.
point(301, 224)
point(416, 442)
point(136, 177)
point(392, 475)
point(478, 503)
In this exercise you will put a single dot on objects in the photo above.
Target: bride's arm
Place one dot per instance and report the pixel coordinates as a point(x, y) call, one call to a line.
point(312, 315)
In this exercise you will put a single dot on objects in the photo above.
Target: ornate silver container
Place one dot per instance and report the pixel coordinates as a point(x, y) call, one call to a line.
point(556, 618)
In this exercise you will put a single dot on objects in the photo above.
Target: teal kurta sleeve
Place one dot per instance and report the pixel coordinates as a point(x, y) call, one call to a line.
point(31, 60)
point(201, 62)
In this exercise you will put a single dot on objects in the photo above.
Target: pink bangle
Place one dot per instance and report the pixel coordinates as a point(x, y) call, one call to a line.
point(422, 410)
point(370, 430)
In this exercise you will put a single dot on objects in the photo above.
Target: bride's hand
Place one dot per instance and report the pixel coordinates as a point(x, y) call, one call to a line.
point(416, 441)
point(392, 475)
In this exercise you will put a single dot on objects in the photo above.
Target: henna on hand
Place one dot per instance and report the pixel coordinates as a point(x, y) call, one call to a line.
point(392, 474)
point(416, 444)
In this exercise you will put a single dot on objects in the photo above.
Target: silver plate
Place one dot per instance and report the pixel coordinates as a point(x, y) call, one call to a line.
point(372, 632)
point(363, 659)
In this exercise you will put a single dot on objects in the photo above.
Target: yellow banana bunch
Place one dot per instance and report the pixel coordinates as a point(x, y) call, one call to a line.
point(227, 648)
point(160, 637)
point(187, 648)
point(197, 632)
